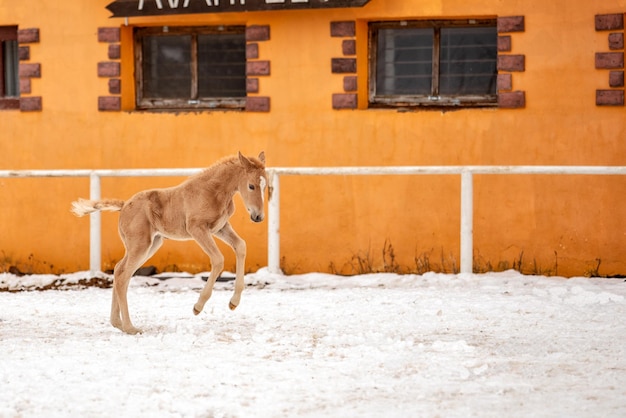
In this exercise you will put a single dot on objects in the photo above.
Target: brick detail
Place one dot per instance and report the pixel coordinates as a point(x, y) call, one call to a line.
point(609, 22)
point(27, 71)
point(28, 36)
point(115, 86)
point(258, 68)
point(616, 79)
point(109, 69)
point(252, 85)
point(25, 85)
point(512, 100)
point(343, 65)
point(109, 35)
point(609, 60)
point(252, 51)
point(256, 33)
point(616, 41)
point(9, 103)
point(348, 47)
point(30, 70)
point(343, 29)
point(114, 52)
point(504, 43)
point(350, 83)
point(23, 53)
point(31, 104)
point(511, 62)
point(505, 82)
point(109, 103)
point(511, 24)
point(610, 97)
point(257, 104)
point(349, 98)
point(344, 101)
point(508, 63)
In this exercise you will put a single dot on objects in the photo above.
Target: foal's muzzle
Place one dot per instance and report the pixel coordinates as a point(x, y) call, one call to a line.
point(256, 217)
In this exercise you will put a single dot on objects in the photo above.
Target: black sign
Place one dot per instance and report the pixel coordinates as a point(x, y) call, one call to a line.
point(127, 8)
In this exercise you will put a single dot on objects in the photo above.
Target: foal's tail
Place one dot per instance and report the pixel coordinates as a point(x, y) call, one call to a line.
point(82, 207)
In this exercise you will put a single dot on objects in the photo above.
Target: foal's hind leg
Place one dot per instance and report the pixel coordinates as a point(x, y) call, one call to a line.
point(116, 319)
point(137, 252)
point(229, 236)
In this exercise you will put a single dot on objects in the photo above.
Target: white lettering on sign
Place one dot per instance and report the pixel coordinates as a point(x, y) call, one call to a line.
point(175, 3)
point(126, 8)
point(158, 3)
point(285, 1)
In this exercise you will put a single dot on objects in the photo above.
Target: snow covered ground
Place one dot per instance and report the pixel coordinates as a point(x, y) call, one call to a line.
point(492, 345)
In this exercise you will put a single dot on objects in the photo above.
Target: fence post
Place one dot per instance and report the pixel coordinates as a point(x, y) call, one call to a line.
point(273, 227)
point(95, 227)
point(467, 221)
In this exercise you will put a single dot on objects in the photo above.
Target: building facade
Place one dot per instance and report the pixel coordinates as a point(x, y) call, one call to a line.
point(182, 83)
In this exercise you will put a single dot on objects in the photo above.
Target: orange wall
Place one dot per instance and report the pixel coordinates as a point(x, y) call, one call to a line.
point(552, 224)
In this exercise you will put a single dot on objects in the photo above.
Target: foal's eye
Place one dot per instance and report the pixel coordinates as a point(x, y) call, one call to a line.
point(251, 186)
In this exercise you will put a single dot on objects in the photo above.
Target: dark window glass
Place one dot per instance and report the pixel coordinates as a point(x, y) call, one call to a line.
point(191, 67)
point(468, 61)
point(434, 63)
point(405, 61)
point(221, 64)
point(167, 67)
point(9, 67)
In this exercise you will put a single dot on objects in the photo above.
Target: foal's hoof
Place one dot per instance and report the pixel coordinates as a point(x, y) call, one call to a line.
point(231, 306)
point(196, 311)
point(132, 331)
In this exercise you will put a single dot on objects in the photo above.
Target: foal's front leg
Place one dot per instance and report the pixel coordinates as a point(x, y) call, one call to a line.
point(207, 243)
point(229, 236)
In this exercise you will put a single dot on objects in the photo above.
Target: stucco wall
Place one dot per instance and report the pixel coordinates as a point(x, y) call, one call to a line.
point(557, 225)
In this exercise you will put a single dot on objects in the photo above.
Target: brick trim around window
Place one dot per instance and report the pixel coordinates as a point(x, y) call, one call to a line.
point(255, 68)
point(28, 70)
point(110, 70)
point(346, 64)
point(612, 61)
point(509, 63)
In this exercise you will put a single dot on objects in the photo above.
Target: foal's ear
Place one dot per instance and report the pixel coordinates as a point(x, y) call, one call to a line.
point(244, 161)
point(262, 157)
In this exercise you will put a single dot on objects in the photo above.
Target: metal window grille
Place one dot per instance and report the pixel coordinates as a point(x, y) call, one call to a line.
point(440, 63)
point(190, 67)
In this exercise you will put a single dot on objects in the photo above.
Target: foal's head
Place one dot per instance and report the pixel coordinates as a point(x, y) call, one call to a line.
point(252, 185)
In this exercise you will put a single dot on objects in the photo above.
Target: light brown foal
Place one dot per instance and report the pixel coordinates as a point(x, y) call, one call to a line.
point(196, 209)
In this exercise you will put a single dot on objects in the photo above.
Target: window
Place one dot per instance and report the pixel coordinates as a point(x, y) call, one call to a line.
point(190, 67)
point(433, 63)
point(9, 68)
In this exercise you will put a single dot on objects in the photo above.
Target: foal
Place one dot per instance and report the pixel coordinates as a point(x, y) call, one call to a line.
point(196, 209)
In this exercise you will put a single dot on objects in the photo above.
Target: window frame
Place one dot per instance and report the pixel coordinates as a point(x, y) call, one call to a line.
point(177, 104)
point(8, 33)
point(434, 99)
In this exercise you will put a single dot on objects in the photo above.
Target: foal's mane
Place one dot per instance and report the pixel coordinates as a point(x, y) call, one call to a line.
point(230, 161)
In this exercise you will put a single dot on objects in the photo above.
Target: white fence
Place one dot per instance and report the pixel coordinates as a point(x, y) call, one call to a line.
point(466, 174)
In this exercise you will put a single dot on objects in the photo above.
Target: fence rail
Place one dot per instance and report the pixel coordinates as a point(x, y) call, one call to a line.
point(466, 174)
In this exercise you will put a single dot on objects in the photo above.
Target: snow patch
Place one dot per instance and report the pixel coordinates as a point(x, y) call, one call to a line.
point(313, 345)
